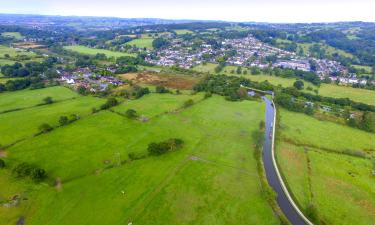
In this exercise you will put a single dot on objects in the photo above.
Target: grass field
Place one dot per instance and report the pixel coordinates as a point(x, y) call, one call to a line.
point(367, 69)
point(339, 185)
point(302, 129)
point(29, 98)
point(93, 51)
point(22, 124)
point(142, 43)
point(15, 35)
point(183, 31)
point(329, 49)
point(356, 94)
point(146, 106)
point(212, 180)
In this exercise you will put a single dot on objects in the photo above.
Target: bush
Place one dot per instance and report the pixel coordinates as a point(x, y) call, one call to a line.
point(48, 100)
point(188, 103)
point(165, 146)
point(131, 114)
point(45, 128)
point(38, 174)
point(207, 95)
point(63, 120)
point(2, 163)
point(110, 103)
point(27, 170)
point(161, 90)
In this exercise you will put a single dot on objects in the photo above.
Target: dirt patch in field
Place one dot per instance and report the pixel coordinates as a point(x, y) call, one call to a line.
point(58, 184)
point(28, 45)
point(171, 81)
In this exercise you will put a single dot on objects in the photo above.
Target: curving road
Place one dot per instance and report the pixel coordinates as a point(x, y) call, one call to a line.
point(284, 200)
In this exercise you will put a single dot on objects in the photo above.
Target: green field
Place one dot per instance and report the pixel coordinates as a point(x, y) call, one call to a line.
point(338, 185)
point(29, 98)
point(15, 35)
point(22, 124)
point(215, 172)
point(329, 49)
point(142, 43)
point(183, 31)
point(93, 51)
point(355, 94)
point(166, 103)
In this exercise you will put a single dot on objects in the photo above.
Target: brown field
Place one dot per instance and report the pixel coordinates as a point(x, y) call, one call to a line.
point(28, 45)
point(171, 81)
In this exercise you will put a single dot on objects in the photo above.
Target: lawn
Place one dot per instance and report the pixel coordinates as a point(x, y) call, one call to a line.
point(142, 43)
point(15, 35)
point(93, 51)
point(4, 62)
point(153, 105)
point(22, 124)
point(212, 180)
point(28, 98)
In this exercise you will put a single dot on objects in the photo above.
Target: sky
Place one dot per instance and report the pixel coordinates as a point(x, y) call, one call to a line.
point(279, 11)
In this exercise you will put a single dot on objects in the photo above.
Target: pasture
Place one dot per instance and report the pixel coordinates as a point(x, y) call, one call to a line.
point(141, 43)
point(28, 98)
point(15, 35)
point(93, 51)
point(214, 172)
point(337, 185)
point(23, 124)
point(183, 31)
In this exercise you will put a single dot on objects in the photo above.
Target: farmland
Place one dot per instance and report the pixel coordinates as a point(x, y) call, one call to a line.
point(214, 171)
point(93, 51)
point(141, 43)
point(15, 35)
point(305, 146)
point(29, 98)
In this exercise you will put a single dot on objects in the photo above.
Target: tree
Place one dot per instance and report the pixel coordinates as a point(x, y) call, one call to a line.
point(159, 43)
point(63, 120)
point(298, 84)
point(45, 128)
point(48, 100)
point(38, 174)
point(131, 114)
point(239, 70)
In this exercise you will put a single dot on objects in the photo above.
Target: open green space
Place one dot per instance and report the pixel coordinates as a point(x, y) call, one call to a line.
point(214, 172)
point(183, 31)
point(355, 94)
point(329, 49)
point(13, 52)
point(337, 185)
point(153, 105)
point(93, 51)
point(301, 129)
point(22, 124)
point(141, 43)
point(15, 35)
point(29, 98)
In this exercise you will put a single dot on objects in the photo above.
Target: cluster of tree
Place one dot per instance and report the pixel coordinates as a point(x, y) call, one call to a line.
point(19, 84)
point(160, 43)
point(111, 102)
point(65, 120)
point(290, 103)
point(26, 170)
point(161, 90)
point(365, 122)
point(159, 148)
point(29, 69)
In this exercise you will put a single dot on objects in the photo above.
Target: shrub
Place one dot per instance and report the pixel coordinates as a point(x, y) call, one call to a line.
point(161, 90)
point(38, 174)
point(48, 100)
point(63, 120)
point(207, 95)
point(165, 146)
point(131, 114)
point(188, 103)
point(27, 170)
point(110, 103)
point(45, 128)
